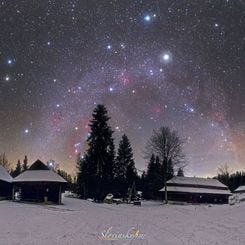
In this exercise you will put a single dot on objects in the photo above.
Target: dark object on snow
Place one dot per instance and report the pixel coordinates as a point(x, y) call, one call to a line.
point(39, 184)
point(137, 203)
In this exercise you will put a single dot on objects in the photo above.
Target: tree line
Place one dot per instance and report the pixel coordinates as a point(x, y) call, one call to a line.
point(101, 170)
point(232, 180)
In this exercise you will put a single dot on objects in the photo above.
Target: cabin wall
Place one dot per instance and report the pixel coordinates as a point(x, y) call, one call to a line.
point(40, 192)
point(198, 197)
point(5, 190)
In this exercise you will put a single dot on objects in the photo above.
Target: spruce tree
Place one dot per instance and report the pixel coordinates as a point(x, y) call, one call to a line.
point(85, 177)
point(180, 172)
point(17, 170)
point(154, 177)
point(149, 178)
point(125, 173)
point(25, 164)
point(97, 165)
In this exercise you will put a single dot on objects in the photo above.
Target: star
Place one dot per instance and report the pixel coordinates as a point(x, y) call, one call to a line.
point(166, 57)
point(109, 46)
point(26, 131)
point(7, 78)
point(118, 128)
point(147, 18)
point(122, 45)
point(189, 108)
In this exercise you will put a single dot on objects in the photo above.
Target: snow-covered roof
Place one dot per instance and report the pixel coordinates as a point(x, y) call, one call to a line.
point(196, 190)
point(240, 189)
point(195, 181)
point(4, 175)
point(39, 176)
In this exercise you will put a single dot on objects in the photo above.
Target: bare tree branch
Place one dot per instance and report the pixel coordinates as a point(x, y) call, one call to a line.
point(167, 145)
point(4, 161)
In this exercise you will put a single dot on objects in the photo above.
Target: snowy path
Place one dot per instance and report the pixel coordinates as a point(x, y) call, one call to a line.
point(79, 222)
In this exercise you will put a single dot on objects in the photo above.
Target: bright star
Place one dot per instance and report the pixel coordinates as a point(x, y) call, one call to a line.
point(166, 57)
point(26, 131)
point(109, 46)
point(7, 78)
point(10, 62)
point(147, 18)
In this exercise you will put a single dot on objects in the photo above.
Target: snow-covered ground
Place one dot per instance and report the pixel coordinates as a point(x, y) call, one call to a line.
point(79, 222)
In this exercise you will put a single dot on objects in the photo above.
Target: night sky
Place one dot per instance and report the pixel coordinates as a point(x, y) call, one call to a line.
point(152, 63)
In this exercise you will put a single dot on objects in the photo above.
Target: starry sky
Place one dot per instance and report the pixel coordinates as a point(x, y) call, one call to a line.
point(152, 63)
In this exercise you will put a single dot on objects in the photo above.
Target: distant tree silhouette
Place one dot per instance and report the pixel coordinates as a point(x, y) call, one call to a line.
point(25, 164)
point(17, 170)
point(229, 178)
point(180, 172)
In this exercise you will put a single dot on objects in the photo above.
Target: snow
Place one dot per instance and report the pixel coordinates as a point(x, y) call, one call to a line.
point(39, 175)
point(4, 175)
point(240, 189)
point(196, 190)
point(196, 181)
point(80, 222)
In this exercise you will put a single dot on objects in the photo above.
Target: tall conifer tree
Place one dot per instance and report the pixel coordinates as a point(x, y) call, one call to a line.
point(96, 170)
point(124, 170)
point(17, 170)
point(25, 164)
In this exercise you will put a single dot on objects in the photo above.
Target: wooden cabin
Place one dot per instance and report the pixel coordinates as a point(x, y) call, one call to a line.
point(196, 190)
point(239, 193)
point(39, 184)
point(5, 184)
point(240, 190)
